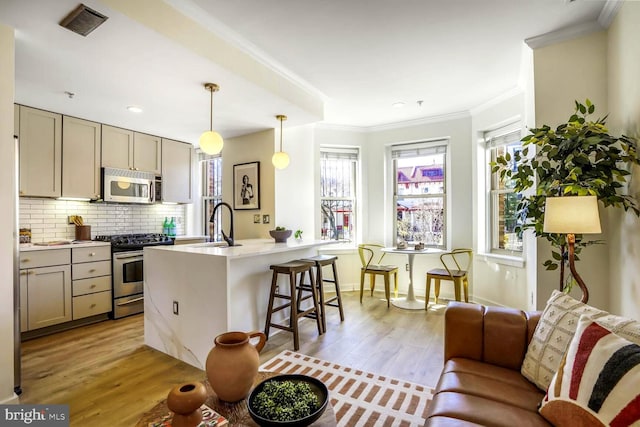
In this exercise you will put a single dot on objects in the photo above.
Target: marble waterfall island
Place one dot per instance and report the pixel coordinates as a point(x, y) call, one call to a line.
point(193, 293)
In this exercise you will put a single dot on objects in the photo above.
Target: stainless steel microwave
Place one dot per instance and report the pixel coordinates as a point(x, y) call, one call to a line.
point(129, 186)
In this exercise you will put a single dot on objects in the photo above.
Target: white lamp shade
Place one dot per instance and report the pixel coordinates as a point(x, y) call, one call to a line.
point(211, 142)
point(572, 214)
point(280, 160)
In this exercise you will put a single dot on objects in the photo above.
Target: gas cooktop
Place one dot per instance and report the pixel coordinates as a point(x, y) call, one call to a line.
point(131, 242)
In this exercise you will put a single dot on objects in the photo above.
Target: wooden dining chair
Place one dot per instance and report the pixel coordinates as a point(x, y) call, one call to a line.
point(371, 258)
point(456, 269)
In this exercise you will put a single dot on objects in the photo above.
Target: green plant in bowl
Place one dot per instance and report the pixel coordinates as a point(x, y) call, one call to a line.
point(288, 400)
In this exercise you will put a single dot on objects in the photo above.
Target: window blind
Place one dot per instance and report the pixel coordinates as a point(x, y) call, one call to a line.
point(418, 149)
point(335, 153)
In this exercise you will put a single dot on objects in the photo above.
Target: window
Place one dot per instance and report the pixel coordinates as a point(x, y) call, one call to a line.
point(420, 192)
point(212, 195)
point(338, 177)
point(503, 201)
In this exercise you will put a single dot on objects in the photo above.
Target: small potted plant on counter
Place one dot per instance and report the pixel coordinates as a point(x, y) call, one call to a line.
point(280, 234)
point(298, 235)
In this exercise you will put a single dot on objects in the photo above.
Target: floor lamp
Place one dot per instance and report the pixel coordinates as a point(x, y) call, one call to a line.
point(572, 215)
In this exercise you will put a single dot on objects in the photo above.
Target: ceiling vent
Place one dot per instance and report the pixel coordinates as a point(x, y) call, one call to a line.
point(83, 20)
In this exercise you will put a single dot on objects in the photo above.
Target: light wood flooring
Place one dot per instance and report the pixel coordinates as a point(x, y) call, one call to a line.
point(108, 377)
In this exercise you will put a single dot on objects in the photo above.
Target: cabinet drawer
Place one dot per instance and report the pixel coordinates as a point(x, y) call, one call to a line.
point(92, 304)
point(99, 253)
point(91, 285)
point(90, 269)
point(45, 258)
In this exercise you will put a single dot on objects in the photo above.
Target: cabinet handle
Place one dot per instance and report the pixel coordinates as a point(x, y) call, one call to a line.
point(31, 272)
point(92, 253)
point(23, 273)
point(92, 270)
point(92, 286)
point(25, 260)
point(92, 306)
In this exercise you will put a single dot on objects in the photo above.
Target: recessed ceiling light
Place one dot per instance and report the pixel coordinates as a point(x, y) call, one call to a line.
point(398, 104)
point(134, 109)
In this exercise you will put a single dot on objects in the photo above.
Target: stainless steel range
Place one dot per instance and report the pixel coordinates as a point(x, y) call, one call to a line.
point(128, 269)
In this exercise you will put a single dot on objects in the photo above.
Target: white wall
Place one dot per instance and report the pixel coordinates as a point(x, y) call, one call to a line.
point(259, 147)
point(7, 232)
point(564, 72)
point(379, 193)
point(294, 186)
point(497, 280)
point(624, 107)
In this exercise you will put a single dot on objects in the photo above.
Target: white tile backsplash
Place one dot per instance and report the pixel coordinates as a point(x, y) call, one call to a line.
point(48, 218)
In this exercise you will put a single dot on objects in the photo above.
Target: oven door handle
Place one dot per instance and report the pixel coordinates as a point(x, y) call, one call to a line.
point(131, 301)
point(128, 256)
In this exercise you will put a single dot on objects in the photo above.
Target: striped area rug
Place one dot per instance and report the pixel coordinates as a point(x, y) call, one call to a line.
point(359, 398)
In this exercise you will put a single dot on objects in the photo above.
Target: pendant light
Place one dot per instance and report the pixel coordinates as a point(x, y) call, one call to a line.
point(280, 159)
point(210, 141)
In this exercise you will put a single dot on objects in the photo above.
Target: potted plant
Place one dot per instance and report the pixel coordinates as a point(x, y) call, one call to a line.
point(280, 234)
point(298, 235)
point(577, 158)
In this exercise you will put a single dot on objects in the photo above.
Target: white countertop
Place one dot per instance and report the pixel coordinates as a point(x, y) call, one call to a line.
point(246, 248)
point(26, 247)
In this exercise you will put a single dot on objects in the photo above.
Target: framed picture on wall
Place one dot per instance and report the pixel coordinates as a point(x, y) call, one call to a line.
point(246, 186)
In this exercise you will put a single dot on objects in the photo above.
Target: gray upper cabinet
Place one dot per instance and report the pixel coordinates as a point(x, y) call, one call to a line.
point(40, 153)
point(81, 146)
point(117, 147)
point(177, 175)
point(147, 152)
point(125, 149)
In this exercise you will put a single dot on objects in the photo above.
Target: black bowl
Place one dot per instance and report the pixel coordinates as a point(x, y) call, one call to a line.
point(317, 387)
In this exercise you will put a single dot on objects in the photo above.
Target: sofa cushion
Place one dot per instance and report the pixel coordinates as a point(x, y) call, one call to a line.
point(597, 380)
point(481, 410)
point(480, 393)
point(555, 330)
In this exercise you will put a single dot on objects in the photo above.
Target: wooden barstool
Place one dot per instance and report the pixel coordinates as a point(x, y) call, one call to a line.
point(336, 301)
point(292, 269)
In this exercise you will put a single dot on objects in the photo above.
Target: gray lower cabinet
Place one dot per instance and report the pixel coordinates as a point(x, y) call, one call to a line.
point(45, 280)
point(61, 285)
point(91, 272)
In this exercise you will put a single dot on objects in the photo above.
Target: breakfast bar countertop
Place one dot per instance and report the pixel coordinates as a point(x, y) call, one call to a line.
point(244, 248)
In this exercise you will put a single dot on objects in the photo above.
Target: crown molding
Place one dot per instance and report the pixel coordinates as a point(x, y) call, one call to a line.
point(609, 12)
point(563, 34)
point(396, 125)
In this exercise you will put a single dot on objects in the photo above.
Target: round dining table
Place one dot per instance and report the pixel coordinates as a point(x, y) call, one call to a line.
point(410, 302)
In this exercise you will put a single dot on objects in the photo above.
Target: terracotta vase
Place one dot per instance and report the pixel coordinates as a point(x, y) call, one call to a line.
point(233, 363)
point(185, 401)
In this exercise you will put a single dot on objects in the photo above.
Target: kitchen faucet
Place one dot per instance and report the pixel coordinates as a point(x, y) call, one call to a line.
point(229, 238)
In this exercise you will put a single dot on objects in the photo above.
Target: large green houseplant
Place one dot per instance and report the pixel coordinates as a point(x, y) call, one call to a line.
point(578, 158)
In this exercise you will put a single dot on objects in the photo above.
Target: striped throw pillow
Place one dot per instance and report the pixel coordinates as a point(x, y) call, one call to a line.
point(598, 381)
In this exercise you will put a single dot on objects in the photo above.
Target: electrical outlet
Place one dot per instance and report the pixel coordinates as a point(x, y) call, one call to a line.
point(175, 308)
point(406, 267)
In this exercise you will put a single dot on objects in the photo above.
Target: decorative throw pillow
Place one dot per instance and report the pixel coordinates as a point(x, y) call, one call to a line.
point(597, 381)
point(555, 330)
point(552, 336)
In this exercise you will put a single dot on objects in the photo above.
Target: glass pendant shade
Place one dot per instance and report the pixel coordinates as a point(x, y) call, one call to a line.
point(280, 160)
point(211, 142)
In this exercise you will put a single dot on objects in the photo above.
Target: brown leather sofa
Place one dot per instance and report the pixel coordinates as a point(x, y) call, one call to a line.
point(481, 382)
